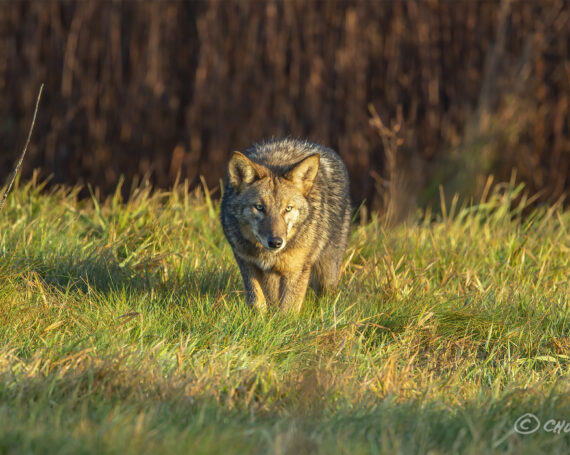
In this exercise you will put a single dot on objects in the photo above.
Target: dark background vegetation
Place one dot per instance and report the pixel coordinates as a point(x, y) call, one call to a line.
point(132, 88)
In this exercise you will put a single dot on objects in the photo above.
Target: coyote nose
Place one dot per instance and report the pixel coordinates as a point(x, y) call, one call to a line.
point(275, 242)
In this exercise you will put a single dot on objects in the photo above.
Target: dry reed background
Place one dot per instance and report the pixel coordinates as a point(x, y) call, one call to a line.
point(134, 88)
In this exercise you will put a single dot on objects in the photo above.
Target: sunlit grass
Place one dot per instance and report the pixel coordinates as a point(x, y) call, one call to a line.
point(123, 329)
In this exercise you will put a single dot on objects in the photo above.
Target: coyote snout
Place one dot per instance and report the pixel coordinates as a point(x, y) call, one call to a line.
point(286, 214)
point(275, 243)
point(271, 231)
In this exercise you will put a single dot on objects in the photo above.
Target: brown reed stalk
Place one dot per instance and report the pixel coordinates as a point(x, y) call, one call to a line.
point(14, 173)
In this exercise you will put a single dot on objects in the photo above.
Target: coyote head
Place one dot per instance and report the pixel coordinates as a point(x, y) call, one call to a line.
point(269, 206)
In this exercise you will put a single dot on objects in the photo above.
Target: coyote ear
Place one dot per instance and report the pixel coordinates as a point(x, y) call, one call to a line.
point(303, 174)
point(242, 171)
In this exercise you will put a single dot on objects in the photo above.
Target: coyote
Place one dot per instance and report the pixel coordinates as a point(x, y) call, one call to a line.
point(286, 213)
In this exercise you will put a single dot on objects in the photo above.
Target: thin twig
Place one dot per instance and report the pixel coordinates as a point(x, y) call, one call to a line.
point(19, 164)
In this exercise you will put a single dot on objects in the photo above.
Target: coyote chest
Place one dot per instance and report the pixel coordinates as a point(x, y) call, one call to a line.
point(286, 214)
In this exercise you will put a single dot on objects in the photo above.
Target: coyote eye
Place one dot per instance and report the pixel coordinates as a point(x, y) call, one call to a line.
point(288, 208)
point(259, 207)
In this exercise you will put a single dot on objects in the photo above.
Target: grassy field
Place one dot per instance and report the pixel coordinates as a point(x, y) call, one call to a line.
point(123, 330)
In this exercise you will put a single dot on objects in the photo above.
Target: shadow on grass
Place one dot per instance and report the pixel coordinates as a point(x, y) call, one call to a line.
point(378, 425)
point(105, 275)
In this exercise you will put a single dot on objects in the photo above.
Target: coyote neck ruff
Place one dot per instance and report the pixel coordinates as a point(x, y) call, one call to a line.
point(286, 213)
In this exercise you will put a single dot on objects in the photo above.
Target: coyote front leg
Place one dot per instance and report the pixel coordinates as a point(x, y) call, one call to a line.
point(270, 284)
point(292, 290)
point(252, 278)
